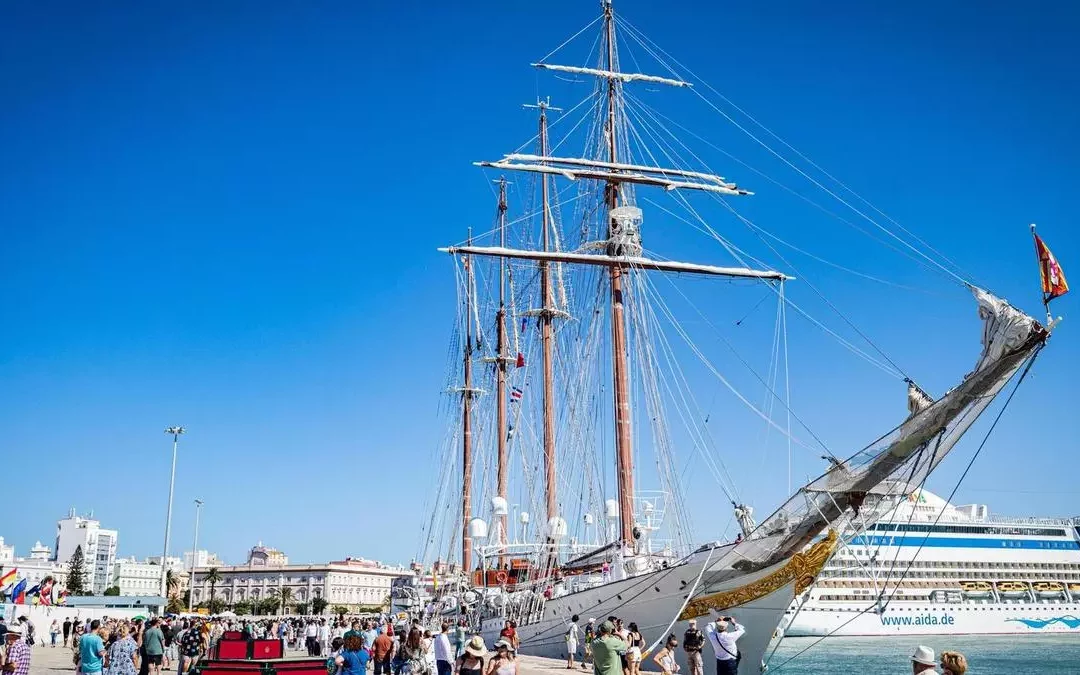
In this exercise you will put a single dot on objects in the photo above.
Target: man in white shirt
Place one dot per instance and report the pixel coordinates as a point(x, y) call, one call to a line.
point(324, 637)
point(444, 653)
point(311, 638)
point(723, 643)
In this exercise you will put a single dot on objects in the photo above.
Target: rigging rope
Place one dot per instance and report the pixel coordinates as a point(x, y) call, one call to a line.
point(978, 450)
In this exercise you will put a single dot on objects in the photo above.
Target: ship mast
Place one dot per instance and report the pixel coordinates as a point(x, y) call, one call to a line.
point(466, 424)
point(622, 252)
point(500, 372)
point(624, 458)
point(547, 332)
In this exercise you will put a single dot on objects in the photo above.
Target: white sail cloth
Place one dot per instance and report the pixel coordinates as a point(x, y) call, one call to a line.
point(902, 459)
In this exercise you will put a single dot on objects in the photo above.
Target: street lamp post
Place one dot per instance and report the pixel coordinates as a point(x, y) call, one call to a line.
point(194, 552)
point(175, 431)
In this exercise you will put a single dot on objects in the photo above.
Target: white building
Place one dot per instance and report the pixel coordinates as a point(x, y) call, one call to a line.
point(143, 577)
point(203, 558)
point(7, 553)
point(98, 547)
point(351, 583)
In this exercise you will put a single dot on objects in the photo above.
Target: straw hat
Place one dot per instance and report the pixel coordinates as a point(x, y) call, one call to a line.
point(503, 642)
point(924, 655)
point(477, 648)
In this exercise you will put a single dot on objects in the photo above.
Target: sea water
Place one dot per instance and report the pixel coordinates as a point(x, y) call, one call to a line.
point(986, 654)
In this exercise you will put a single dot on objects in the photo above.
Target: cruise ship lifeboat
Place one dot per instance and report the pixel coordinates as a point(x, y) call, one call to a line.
point(1075, 590)
point(976, 589)
point(1012, 589)
point(1049, 589)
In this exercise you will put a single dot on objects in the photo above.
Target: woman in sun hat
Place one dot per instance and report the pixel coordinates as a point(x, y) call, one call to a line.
point(472, 661)
point(504, 662)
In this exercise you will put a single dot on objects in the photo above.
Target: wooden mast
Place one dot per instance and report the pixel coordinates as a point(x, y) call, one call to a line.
point(466, 425)
point(547, 333)
point(624, 457)
point(500, 372)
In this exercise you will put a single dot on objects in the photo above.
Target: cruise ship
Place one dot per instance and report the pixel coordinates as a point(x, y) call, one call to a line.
point(946, 570)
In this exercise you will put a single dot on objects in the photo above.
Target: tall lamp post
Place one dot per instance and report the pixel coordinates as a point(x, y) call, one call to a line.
point(194, 553)
point(175, 431)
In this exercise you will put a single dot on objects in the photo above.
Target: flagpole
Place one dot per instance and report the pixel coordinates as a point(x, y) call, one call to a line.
point(1042, 276)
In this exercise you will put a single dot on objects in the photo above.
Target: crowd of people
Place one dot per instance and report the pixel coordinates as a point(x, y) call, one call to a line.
point(355, 646)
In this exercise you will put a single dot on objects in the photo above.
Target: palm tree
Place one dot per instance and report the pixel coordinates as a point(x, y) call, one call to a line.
point(172, 584)
point(285, 596)
point(213, 576)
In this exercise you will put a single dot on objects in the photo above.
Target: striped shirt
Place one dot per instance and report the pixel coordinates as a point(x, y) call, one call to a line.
point(19, 654)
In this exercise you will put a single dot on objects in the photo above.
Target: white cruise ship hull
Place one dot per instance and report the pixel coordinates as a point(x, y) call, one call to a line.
point(936, 619)
point(653, 600)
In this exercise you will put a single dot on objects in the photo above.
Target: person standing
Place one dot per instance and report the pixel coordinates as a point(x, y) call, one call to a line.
point(324, 638)
point(503, 662)
point(353, 658)
point(572, 634)
point(636, 645)
point(608, 650)
point(67, 630)
point(54, 632)
point(472, 663)
point(190, 647)
point(922, 661)
point(693, 643)
point(459, 639)
point(590, 635)
point(124, 652)
point(444, 654)
point(17, 660)
point(153, 646)
point(91, 651)
point(953, 663)
point(724, 644)
point(665, 658)
point(311, 637)
point(382, 651)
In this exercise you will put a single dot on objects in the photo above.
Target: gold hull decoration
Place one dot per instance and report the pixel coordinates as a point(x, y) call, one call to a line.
point(803, 568)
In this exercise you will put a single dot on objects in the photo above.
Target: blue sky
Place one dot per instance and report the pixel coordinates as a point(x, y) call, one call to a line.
point(225, 215)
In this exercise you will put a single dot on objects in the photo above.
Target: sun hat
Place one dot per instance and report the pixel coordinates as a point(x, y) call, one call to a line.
point(592, 620)
point(503, 642)
point(14, 629)
point(476, 647)
point(924, 655)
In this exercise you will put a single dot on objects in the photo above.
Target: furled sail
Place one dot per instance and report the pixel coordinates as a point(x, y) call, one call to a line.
point(902, 459)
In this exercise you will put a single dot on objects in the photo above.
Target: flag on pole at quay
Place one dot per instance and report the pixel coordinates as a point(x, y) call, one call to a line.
point(1053, 277)
point(9, 576)
point(18, 593)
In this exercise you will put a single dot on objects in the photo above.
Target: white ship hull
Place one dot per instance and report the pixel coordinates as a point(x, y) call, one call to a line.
point(937, 619)
point(652, 600)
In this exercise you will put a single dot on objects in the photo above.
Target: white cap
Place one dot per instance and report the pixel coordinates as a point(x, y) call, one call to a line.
point(14, 629)
point(924, 655)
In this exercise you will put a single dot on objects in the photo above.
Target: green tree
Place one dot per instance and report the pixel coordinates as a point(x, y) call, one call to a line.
point(175, 605)
point(284, 596)
point(172, 584)
point(112, 590)
point(340, 610)
point(242, 607)
point(318, 605)
point(301, 608)
point(213, 577)
point(213, 606)
point(76, 576)
point(267, 606)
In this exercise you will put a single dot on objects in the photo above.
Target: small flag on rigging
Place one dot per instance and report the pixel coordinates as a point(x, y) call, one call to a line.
point(516, 395)
point(1053, 278)
point(520, 360)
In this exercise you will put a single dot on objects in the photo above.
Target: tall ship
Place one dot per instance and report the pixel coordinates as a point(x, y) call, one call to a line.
point(932, 568)
point(578, 357)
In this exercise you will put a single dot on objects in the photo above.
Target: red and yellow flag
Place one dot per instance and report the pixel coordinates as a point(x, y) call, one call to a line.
point(1053, 278)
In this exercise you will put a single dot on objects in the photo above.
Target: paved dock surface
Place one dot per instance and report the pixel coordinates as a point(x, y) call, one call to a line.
point(57, 661)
